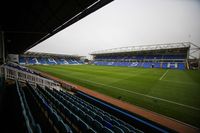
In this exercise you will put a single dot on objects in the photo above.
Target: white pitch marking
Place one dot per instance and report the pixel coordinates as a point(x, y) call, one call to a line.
point(164, 75)
point(152, 97)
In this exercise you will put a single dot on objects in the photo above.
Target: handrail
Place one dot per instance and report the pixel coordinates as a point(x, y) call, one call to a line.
point(23, 76)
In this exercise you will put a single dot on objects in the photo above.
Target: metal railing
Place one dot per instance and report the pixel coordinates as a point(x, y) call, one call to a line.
point(23, 76)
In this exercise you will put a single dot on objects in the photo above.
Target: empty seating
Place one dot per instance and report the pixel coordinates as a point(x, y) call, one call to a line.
point(52, 114)
point(119, 130)
point(146, 61)
point(97, 126)
point(107, 130)
point(91, 112)
point(48, 60)
point(67, 113)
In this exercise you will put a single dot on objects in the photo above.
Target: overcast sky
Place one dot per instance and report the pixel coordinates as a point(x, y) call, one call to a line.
point(128, 23)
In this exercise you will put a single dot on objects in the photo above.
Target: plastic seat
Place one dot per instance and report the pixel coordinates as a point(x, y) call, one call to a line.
point(81, 107)
point(67, 112)
point(92, 114)
point(89, 120)
point(114, 122)
point(124, 128)
point(64, 128)
point(97, 126)
point(131, 131)
point(61, 108)
point(54, 117)
point(138, 131)
point(107, 124)
point(107, 130)
point(81, 114)
point(74, 118)
point(76, 110)
point(90, 130)
point(84, 127)
point(86, 110)
point(130, 127)
point(107, 118)
point(99, 118)
point(118, 130)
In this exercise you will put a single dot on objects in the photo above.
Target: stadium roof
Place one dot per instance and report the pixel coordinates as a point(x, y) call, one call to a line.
point(144, 48)
point(24, 24)
point(49, 54)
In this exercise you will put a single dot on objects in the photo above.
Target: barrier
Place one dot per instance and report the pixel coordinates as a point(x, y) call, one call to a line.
point(22, 76)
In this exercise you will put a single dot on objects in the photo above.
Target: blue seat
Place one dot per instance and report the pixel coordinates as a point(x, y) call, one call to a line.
point(76, 110)
point(67, 112)
point(89, 120)
point(64, 128)
point(124, 128)
point(118, 130)
point(92, 114)
point(74, 118)
point(90, 130)
point(130, 127)
point(138, 131)
point(114, 122)
point(84, 127)
point(131, 131)
point(61, 108)
point(107, 130)
point(107, 124)
point(97, 126)
point(54, 117)
point(81, 114)
point(99, 118)
point(107, 118)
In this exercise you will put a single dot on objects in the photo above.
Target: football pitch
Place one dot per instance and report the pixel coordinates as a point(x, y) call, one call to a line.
point(174, 93)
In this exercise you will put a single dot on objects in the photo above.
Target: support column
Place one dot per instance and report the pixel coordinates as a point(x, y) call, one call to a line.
point(2, 48)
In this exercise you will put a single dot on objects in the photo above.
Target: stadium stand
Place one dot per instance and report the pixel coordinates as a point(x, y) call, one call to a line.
point(32, 103)
point(35, 58)
point(47, 108)
point(172, 56)
point(24, 121)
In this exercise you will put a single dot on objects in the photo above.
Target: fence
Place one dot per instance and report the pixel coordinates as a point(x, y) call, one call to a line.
point(22, 76)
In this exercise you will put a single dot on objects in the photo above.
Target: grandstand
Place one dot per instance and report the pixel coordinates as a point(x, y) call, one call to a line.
point(36, 58)
point(43, 106)
point(34, 103)
point(173, 56)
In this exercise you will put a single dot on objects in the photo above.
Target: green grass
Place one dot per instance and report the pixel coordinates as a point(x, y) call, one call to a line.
point(177, 95)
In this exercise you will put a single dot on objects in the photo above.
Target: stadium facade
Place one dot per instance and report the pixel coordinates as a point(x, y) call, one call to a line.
point(173, 56)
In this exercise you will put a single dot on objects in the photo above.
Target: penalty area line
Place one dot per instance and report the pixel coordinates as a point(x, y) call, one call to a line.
point(141, 94)
point(164, 75)
point(145, 95)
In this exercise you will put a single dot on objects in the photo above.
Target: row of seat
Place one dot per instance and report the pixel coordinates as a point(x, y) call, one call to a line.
point(171, 65)
point(50, 61)
point(140, 57)
point(52, 115)
point(69, 113)
point(31, 126)
point(90, 113)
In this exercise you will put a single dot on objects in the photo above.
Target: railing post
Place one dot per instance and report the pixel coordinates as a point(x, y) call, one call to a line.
point(5, 72)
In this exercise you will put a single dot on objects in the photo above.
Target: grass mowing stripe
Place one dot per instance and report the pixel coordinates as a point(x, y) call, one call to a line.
point(149, 96)
point(182, 87)
point(186, 83)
